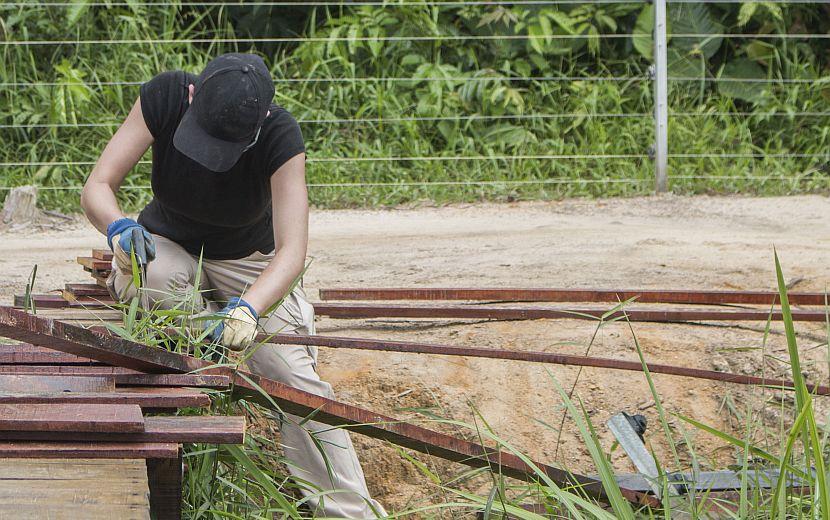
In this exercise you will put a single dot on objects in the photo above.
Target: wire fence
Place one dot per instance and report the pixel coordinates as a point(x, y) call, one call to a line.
point(639, 153)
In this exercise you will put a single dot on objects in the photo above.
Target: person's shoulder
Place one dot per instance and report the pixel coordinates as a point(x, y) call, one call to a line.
point(167, 83)
point(279, 117)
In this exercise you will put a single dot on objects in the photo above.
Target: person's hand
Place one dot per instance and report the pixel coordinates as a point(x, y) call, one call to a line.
point(238, 325)
point(123, 237)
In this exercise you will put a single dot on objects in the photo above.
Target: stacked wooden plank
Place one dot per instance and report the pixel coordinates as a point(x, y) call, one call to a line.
point(62, 407)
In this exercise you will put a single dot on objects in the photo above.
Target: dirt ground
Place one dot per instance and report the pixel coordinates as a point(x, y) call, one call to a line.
point(655, 242)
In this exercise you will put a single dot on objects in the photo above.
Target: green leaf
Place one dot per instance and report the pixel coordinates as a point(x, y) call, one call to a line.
point(695, 19)
point(644, 25)
point(746, 13)
point(742, 68)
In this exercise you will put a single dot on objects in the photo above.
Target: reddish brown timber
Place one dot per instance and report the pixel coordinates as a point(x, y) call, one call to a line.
point(56, 301)
point(102, 254)
point(368, 310)
point(123, 376)
point(692, 297)
point(61, 336)
point(145, 397)
point(530, 356)
point(26, 354)
point(71, 417)
point(87, 301)
point(94, 264)
point(40, 384)
point(205, 428)
point(88, 450)
point(85, 289)
point(164, 477)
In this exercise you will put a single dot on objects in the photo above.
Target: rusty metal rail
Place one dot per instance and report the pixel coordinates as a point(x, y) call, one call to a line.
point(70, 339)
point(370, 310)
point(691, 297)
point(530, 356)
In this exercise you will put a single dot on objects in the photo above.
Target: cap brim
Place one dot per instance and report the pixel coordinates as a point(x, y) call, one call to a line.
point(214, 154)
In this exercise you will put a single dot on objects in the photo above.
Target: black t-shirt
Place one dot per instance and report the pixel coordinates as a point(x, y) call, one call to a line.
point(228, 213)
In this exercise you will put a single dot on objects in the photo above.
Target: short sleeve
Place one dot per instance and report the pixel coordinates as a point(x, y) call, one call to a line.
point(284, 139)
point(161, 99)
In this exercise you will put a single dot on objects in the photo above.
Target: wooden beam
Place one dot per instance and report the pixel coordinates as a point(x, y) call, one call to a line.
point(94, 263)
point(179, 429)
point(122, 376)
point(102, 254)
point(68, 338)
point(164, 477)
point(26, 354)
point(39, 384)
point(71, 417)
point(145, 397)
point(88, 450)
point(85, 289)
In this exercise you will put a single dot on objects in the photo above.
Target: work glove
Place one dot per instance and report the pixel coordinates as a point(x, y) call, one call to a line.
point(237, 327)
point(124, 236)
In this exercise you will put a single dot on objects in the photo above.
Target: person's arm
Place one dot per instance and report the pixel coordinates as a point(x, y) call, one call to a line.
point(121, 154)
point(290, 209)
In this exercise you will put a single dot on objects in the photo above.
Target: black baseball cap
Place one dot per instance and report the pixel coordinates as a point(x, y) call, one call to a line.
point(230, 102)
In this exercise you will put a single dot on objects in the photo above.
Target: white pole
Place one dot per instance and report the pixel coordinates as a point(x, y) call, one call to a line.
point(661, 95)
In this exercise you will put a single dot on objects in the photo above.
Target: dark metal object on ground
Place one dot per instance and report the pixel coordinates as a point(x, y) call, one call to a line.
point(74, 340)
point(530, 356)
point(369, 310)
point(572, 295)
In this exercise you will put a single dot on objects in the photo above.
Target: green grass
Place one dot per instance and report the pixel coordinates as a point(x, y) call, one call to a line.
point(585, 129)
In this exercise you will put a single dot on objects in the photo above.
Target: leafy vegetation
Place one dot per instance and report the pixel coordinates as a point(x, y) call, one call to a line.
point(484, 115)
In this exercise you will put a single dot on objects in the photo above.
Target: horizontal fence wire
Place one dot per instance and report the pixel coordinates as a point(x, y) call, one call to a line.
point(413, 158)
point(374, 39)
point(359, 3)
point(609, 180)
point(824, 81)
point(426, 158)
point(367, 79)
point(324, 39)
point(506, 117)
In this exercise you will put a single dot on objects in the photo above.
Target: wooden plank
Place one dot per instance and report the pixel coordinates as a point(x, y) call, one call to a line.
point(57, 301)
point(71, 417)
point(86, 301)
point(88, 450)
point(176, 429)
point(26, 354)
point(85, 289)
point(164, 477)
point(123, 376)
point(145, 397)
point(102, 254)
point(94, 263)
point(55, 384)
point(74, 489)
point(75, 340)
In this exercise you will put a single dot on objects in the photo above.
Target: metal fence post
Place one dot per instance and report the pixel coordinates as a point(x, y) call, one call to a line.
point(661, 104)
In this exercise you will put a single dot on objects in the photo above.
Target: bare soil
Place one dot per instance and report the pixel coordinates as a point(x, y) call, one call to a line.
point(654, 242)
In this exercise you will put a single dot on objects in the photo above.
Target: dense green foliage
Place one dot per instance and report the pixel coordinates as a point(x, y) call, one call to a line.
point(459, 97)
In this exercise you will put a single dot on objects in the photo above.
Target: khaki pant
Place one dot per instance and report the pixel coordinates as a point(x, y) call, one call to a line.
point(170, 280)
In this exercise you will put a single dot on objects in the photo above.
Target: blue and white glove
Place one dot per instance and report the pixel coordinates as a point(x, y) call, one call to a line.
point(238, 326)
point(122, 236)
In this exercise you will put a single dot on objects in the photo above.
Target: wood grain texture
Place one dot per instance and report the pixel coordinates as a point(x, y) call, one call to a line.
point(102, 254)
point(94, 263)
point(60, 489)
point(71, 418)
point(13, 383)
point(186, 429)
point(85, 289)
point(88, 450)
point(26, 354)
point(145, 397)
point(122, 376)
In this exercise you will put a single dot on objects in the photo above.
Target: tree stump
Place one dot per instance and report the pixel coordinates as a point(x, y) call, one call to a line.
point(20, 207)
